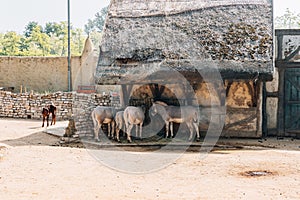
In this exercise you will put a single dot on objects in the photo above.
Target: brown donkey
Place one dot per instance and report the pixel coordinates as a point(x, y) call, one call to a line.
point(51, 109)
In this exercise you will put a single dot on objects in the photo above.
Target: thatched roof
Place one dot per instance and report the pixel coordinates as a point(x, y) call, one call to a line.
point(187, 35)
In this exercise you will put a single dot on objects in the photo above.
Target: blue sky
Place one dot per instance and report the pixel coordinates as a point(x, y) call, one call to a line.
point(15, 14)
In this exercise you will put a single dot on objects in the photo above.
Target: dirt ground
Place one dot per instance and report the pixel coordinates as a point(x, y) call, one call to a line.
point(34, 165)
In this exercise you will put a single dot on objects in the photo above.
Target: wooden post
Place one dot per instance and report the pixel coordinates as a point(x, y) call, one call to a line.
point(259, 107)
point(124, 95)
point(281, 103)
point(264, 111)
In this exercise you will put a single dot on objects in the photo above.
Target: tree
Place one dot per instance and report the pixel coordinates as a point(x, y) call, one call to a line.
point(77, 42)
point(24, 46)
point(287, 21)
point(52, 40)
point(29, 27)
point(97, 23)
point(1, 44)
point(39, 42)
point(10, 44)
point(54, 29)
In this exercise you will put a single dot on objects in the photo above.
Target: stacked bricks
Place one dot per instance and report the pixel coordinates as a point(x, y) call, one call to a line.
point(29, 106)
point(70, 105)
point(83, 107)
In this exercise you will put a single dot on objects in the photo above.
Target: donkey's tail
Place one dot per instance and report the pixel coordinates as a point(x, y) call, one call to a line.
point(196, 117)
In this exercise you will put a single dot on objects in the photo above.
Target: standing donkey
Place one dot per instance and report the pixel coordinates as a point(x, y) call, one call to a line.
point(50, 109)
point(134, 116)
point(177, 114)
point(103, 115)
point(120, 124)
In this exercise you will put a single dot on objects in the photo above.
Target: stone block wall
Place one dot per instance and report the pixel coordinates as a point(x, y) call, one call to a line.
point(83, 107)
point(69, 105)
point(29, 106)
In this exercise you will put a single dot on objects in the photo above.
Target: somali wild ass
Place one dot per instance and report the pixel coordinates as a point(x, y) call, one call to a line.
point(133, 116)
point(120, 124)
point(177, 114)
point(103, 115)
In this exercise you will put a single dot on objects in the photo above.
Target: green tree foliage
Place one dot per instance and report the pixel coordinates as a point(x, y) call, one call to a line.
point(289, 20)
point(97, 23)
point(52, 40)
point(39, 42)
point(11, 43)
point(29, 28)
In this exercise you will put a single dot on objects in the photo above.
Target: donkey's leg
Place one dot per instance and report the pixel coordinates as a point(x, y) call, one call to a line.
point(118, 134)
point(141, 127)
point(122, 127)
point(96, 131)
point(53, 119)
point(43, 120)
point(136, 130)
point(197, 130)
point(47, 120)
point(129, 132)
point(167, 129)
point(113, 129)
point(171, 127)
point(190, 126)
point(109, 130)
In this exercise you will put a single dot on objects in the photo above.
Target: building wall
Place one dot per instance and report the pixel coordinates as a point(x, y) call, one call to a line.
point(47, 74)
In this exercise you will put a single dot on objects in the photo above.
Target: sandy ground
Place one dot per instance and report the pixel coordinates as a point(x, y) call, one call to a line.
point(32, 167)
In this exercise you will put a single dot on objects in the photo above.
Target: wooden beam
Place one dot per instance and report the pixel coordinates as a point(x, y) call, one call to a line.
point(272, 94)
point(259, 107)
point(281, 102)
point(284, 64)
point(279, 47)
point(125, 95)
point(242, 121)
point(279, 32)
point(264, 111)
point(289, 57)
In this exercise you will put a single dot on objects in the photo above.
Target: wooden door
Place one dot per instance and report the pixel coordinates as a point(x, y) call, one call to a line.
point(292, 102)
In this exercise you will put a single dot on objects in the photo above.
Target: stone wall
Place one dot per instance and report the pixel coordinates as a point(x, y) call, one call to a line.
point(69, 105)
point(83, 107)
point(29, 105)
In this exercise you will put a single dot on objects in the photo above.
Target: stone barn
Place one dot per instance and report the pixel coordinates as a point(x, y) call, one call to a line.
point(213, 54)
